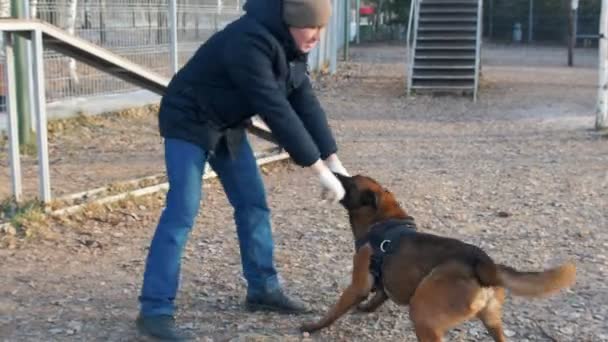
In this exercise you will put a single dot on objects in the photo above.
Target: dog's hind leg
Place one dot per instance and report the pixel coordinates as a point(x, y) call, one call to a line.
point(374, 303)
point(446, 297)
point(359, 288)
point(428, 334)
point(491, 315)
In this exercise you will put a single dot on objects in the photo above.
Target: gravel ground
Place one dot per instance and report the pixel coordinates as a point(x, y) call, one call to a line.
point(525, 150)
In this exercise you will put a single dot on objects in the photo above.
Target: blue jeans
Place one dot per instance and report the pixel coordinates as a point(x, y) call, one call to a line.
point(244, 187)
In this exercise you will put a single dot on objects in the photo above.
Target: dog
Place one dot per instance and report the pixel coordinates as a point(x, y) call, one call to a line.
point(444, 281)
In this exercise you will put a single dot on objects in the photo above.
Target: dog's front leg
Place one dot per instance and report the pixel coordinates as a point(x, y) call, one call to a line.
point(378, 299)
point(359, 288)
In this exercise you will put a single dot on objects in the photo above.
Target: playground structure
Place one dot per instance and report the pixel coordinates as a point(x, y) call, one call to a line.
point(100, 45)
point(45, 35)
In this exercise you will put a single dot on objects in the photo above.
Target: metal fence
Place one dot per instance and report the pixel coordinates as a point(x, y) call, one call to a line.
point(139, 31)
point(545, 21)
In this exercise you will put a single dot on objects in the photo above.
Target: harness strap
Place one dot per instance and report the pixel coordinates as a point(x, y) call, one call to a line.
point(382, 234)
point(384, 238)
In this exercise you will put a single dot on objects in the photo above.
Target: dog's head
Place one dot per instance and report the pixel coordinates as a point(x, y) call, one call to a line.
point(368, 202)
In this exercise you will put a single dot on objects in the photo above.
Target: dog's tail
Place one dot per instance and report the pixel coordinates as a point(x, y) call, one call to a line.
point(526, 284)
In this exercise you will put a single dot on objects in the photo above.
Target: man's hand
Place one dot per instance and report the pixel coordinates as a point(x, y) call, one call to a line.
point(335, 165)
point(333, 190)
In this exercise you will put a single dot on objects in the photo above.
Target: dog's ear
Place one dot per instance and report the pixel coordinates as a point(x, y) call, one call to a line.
point(369, 198)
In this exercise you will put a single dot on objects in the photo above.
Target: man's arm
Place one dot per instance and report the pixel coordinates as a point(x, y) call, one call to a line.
point(249, 64)
point(307, 106)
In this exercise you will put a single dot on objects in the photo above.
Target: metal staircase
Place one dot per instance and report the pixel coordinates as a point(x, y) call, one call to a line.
point(443, 46)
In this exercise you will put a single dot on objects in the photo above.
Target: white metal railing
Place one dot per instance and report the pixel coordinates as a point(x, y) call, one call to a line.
point(82, 50)
point(412, 34)
point(160, 35)
point(96, 57)
point(478, 47)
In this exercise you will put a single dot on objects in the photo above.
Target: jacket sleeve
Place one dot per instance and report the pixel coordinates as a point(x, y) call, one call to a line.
point(308, 108)
point(249, 64)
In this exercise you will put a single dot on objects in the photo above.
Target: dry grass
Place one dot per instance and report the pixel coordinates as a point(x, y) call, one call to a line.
point(84, 120)
point(26, 221)
point(3, 141)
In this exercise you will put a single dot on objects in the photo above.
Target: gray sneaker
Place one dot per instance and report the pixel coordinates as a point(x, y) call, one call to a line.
point(161, 328)
point(275, 301)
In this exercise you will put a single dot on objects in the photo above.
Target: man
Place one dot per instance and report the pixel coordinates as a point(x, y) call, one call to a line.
point(256, 65)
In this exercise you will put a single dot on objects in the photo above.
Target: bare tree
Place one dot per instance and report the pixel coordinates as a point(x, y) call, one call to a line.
point(149, 20)
point(133, 8)
point(196, 25)
point(33, 9)
point(184, 15)
point(5, 11)
point(161, 22)
point(102, 22)
point(5, 8)
point(70, 27)
point(87, 15)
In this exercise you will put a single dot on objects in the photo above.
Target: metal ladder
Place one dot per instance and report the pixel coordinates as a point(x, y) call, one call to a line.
point(444, 46)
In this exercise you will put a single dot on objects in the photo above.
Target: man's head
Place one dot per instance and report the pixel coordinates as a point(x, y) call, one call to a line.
point(306, 19)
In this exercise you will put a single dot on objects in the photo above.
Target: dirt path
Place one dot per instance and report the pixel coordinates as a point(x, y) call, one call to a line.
point(525, 149)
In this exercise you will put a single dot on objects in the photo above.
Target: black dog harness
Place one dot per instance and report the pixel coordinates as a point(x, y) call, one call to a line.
point(384, 237)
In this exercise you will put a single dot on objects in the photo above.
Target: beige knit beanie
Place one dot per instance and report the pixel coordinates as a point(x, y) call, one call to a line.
point(306, 13)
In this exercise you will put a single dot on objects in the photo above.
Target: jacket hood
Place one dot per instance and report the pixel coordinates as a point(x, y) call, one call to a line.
point(269, 13)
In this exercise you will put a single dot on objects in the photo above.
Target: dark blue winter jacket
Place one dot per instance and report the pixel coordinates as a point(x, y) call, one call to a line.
point(250, 67)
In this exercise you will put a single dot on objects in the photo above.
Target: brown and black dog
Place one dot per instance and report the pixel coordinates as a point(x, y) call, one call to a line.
point(444, 281)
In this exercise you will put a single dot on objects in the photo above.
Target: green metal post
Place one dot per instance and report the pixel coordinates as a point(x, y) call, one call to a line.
point(346, 28)
point(358, 21)
point(26, 134)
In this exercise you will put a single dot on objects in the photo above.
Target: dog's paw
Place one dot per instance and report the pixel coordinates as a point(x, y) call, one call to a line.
point(363, 308)
point(309, 327)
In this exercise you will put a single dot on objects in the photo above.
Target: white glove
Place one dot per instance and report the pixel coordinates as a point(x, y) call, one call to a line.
point(333, 191)
point(335, 165)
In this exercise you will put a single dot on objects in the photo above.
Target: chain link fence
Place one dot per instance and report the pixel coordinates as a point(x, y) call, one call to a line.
point(504, 21)
point(135, 29)
point(139, 31)
point(540, 21)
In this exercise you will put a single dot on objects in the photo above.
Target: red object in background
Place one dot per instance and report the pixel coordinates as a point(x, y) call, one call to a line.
point(366, 10)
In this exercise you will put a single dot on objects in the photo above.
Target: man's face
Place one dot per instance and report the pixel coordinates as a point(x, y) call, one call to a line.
point(305, 38)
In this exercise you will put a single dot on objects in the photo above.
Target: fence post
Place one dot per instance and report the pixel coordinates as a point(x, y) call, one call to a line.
point(531, 21)
point(173, 36)
point(346, 28)
point(11, 109)
point(218, 13)
point(28, 62)
point(40, 108)
point(333, 38)
point(358, 22)
point(26, 136)
point(601, 119)
point(571, 31)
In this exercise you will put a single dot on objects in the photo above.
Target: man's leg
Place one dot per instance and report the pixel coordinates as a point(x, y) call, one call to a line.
point(244, 187)
point(184, 164)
